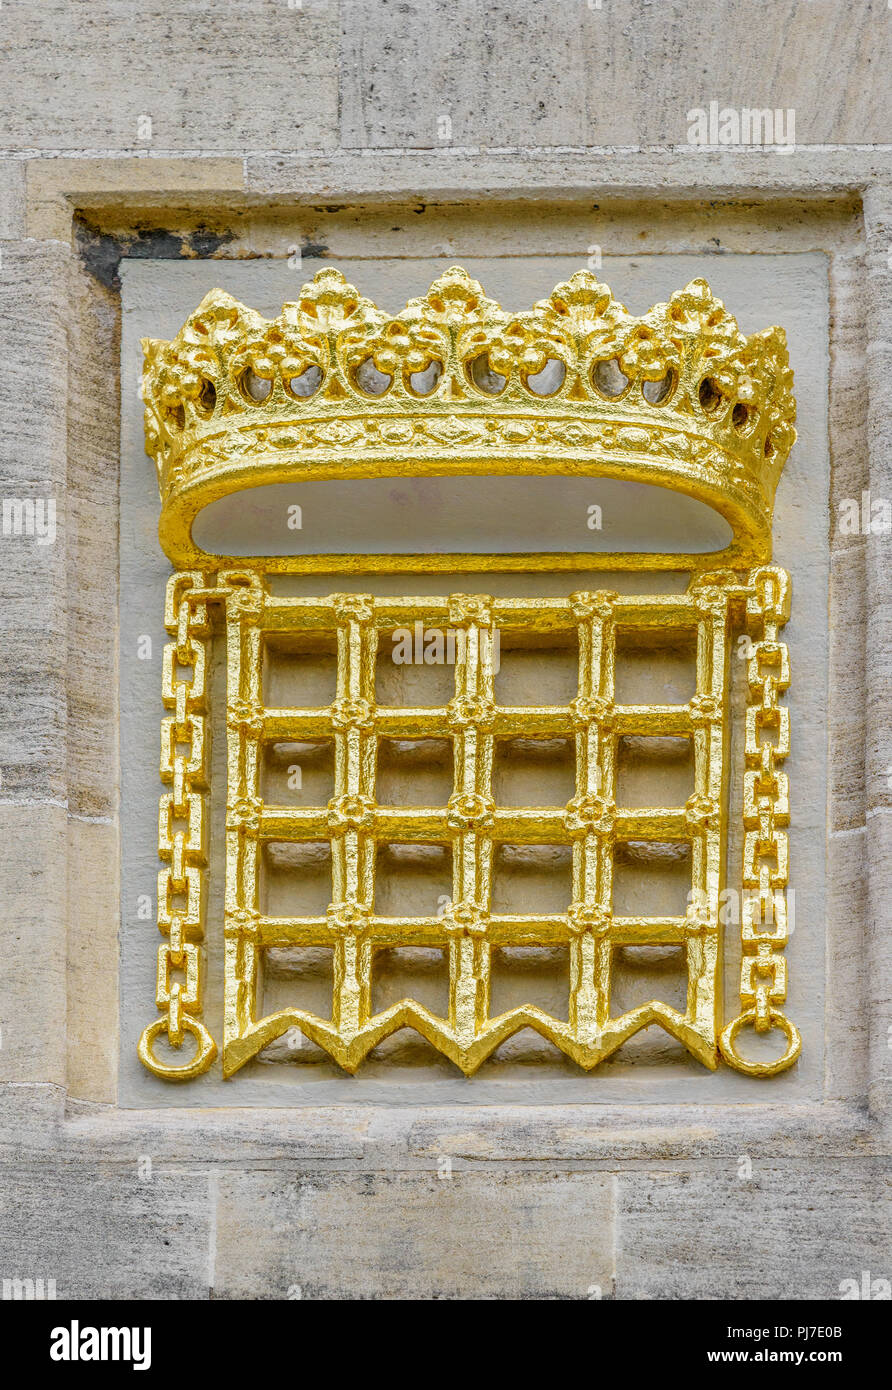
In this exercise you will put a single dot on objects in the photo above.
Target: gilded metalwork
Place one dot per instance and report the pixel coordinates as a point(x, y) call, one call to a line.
point(182, 832)
point(210, 436)
point(766, 813)
point(679, 397)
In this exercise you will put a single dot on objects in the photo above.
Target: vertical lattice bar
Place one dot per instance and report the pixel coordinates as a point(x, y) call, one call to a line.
point(471, 715)
point(706, 812)
point(590, 816)
point(244, 709)
point(352, 810)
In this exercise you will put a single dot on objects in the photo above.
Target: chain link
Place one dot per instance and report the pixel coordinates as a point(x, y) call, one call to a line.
point(766, 814)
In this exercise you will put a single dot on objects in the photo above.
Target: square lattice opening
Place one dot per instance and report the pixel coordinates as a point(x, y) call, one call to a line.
point(655, 666)
point(651, 879)
point(404, 681)
point(654, 771)
point(412, 880)
point(533, 772)
point(420, 973)
point(295, 878)
point(298, 977)
point(534, 974)
point(299, 671)
point(414, 772)
point(541, 673)
point(532, 879)
point(297, 774)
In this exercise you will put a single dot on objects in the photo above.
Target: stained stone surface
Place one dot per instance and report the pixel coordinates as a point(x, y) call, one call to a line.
point(427, 1232)
point(684, 1232)
point(184, 77)
point(611, 73)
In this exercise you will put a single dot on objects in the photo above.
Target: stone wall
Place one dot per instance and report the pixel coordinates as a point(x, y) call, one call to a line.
point(398, 132)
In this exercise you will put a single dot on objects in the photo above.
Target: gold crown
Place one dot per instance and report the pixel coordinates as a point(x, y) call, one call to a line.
point(337, 388)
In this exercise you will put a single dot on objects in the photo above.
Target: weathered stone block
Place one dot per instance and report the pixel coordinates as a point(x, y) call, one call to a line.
point(33, 577)
point(794, 1231)
point(111, 1232)
point(12, 198)
point(606, 74)
point(846, 690)
point(461, 73)
point(92, 1009)
point(157, 76)
point(33, 978)
point(398, 1235)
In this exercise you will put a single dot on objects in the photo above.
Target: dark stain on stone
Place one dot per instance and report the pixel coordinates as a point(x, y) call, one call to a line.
point(154, 244)
point(102, 253)
point(204, 243)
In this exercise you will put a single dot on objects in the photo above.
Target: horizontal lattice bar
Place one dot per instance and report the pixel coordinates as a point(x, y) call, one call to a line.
point(501, 930)
point(509, 721)
point(521, 825)
point(514, 617)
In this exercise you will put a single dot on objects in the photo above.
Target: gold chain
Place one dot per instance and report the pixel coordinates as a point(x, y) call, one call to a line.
point(182, 829)
point(766, 814)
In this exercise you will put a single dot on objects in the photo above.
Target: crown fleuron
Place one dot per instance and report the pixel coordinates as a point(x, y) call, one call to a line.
point(337, 388)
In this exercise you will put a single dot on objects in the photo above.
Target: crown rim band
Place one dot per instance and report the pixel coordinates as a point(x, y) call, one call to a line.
point(751, 529)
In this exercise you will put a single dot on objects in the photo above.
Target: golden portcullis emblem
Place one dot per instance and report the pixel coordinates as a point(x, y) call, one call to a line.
point(335, 388)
